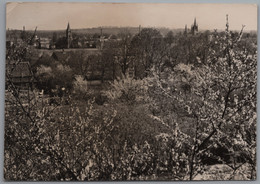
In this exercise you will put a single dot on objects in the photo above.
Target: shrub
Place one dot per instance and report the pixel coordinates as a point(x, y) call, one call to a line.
point(80, 85)
point(128, 90)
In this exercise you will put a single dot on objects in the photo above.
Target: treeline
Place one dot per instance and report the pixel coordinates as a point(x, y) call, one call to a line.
point(132, 55)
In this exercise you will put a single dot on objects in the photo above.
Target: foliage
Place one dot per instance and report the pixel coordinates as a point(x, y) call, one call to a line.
point(219, 98)
point(188, 112)
point(54, 77)
point(80, 85)
point(128, 90)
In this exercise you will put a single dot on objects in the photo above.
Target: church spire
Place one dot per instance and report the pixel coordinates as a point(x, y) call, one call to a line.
point(186, 30)
point(194, 27)
point(68, 26)
point(68, 36)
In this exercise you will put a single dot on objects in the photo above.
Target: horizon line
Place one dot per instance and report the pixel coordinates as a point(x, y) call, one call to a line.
point(104, 27)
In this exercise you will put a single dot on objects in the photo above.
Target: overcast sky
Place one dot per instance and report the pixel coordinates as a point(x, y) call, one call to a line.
point(52, 16)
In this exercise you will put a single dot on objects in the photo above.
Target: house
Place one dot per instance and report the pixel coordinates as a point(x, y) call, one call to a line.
point(62, 57)
point(9, 40)
point(20, 74)
point(44, 43)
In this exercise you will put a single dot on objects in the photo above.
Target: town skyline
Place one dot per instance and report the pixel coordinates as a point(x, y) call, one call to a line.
point(94, 15)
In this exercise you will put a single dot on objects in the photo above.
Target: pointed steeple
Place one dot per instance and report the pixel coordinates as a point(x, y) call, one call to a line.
point(194, 27)
point(68, 36)
point(227, 24)
point(186, 30)
point(195, 21)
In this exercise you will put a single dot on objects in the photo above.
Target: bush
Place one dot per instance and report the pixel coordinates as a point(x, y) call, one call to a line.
point(80, 85)
point(127, 90)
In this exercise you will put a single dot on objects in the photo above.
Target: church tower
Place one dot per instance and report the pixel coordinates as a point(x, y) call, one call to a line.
point(186, 30)
point(194, 27)
point(68, 36)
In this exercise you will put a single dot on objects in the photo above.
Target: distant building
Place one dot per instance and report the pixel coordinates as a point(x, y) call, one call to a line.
point(20, 74)
point(68, 36)
point(44, 43)
point(186, 30)
point(194, 28)
point(79, 41)
point(9, 42)
point(62, 57)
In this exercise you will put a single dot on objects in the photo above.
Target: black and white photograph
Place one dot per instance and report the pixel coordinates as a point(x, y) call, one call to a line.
point(130, 91)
